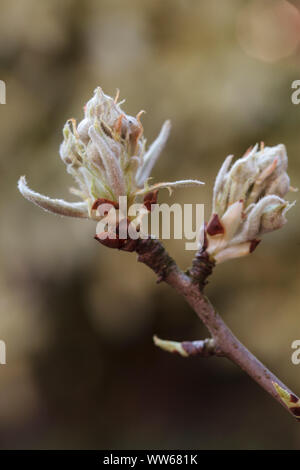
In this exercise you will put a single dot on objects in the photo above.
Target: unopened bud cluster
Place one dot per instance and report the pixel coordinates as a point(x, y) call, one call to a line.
point(248, 201)
point(107, 156)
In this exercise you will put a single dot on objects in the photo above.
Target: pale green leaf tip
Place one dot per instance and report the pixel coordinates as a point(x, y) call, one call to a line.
point(283, 394)
point(170, 346)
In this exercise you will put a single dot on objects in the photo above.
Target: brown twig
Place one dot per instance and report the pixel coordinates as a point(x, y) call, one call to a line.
point(203, 347)
point(153, 254)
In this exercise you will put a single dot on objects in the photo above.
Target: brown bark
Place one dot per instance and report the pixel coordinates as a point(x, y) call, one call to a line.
point(190, 286)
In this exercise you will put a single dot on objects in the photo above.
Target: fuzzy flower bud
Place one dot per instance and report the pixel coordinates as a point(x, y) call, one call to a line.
point(106, 155)
point(248, 201)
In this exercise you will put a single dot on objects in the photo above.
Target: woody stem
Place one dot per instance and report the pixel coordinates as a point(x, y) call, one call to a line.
point(153, 254)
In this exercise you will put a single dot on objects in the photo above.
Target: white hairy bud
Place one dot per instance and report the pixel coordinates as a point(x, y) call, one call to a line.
point(106, 155)
point(248, 201)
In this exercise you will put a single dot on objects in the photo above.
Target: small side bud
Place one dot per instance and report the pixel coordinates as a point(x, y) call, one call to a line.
point(170, 346)
point(290, 400)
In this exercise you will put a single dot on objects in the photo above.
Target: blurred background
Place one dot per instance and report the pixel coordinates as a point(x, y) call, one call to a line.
point(78, 318)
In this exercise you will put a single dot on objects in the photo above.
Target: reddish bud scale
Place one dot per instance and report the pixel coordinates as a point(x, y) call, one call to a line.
point(253, 245)
point(150, 198)
point(117, 243)
point(215, 226)
point(109, 241)
point(118, 124)
point(112, 240)
point(295, 410)
point(294, 399)
point(205, 240)
point(103, 200)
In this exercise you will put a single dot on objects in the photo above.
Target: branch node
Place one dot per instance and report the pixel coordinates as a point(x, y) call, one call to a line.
point(203, 348)
point(152, 253)
point(202, 267)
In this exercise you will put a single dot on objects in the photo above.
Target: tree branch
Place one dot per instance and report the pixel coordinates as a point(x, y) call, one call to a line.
point(152, 253)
